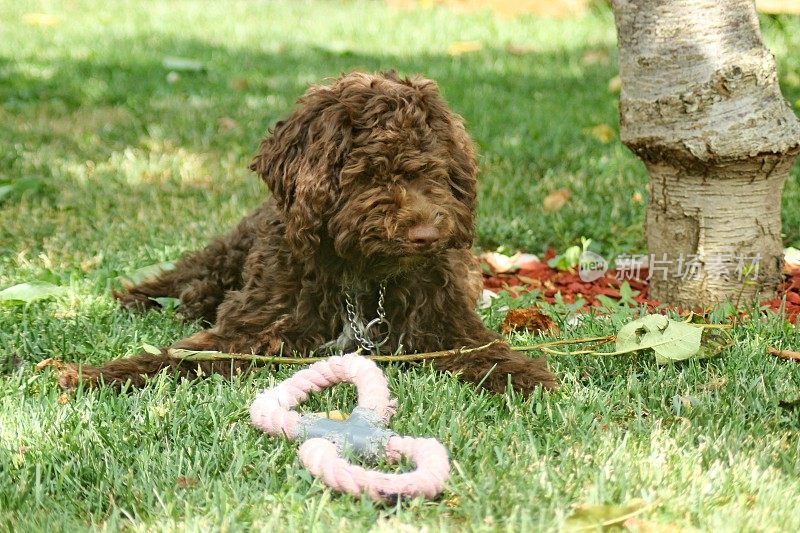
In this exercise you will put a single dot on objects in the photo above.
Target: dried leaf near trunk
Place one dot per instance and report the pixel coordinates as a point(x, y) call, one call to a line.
point(528, 319)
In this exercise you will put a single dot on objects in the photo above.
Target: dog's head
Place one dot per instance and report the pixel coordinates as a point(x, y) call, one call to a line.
point(376, 165)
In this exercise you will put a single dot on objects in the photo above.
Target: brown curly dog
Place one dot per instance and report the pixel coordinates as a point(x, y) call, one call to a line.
point(371, 215)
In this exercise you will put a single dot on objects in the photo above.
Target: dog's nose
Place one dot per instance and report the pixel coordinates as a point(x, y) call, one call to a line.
point(423, 235)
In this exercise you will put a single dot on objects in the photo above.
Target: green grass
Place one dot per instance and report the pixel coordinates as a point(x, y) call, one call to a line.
point(129, 169)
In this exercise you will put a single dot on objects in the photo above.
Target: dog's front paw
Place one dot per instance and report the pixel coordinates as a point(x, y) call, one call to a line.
point(524, 374)
point(528, 380)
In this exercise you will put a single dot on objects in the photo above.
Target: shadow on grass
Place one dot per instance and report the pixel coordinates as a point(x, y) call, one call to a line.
point(529, 112)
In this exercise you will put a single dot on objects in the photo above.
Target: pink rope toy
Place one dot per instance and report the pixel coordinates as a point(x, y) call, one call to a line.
point(365, 432)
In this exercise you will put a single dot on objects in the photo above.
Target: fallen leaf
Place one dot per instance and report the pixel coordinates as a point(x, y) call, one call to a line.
point(597, 517)
point(528, 319)
point(518, 49)
point(185, 482)
point(239, 84)
point(24, 293)
point(792, 256)
point(149, 348)
point(557, 199)
point(614, 84)
point(637, 197)
point(45, 363)
point(671, 340)
point(526, 261)
point(603, 133)
point(167, 302)
point(227, 124)
point(677, 339)
point(591, 57)
point(89, 264)
point(40, 19)
point(463, 47)
point(453, 502)
point(485, 300)
point(148, 271)
point(681, 403)
point(500, 263)
point(182, 64)
point(568, 260)
point(63, 399)
point(713, 385)
point(713, 341)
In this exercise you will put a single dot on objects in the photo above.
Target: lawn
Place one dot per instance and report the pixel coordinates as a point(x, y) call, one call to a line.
point(116, 163)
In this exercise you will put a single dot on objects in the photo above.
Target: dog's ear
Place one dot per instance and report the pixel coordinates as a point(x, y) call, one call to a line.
point(463, 182)
point(462, 166)
point(300, 162)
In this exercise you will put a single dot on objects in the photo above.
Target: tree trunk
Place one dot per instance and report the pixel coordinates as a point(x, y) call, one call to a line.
point(701, 106)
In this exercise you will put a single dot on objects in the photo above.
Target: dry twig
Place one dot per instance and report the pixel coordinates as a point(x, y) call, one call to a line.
point(192, 355)
point(784, 354)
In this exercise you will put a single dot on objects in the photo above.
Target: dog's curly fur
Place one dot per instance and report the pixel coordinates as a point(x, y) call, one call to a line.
point(372, 179)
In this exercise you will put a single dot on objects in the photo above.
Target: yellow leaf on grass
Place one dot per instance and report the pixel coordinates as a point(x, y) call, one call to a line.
point(603, 133)
point(464, 47)
point(40, 19)
point(556, 200)
point(797, 103)
point(614, 84)
point(600, 517)
point(334, 415)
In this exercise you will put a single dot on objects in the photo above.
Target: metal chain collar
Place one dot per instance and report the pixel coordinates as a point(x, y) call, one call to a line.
point(361, 332)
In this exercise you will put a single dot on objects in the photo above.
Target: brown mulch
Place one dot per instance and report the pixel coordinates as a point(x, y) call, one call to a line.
point(550, 282)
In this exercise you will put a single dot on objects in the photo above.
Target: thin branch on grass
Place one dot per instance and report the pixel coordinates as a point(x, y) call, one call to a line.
point(194, 355)
point(788, 355)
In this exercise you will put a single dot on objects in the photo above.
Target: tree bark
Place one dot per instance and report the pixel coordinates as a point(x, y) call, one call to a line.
point(701, 106)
